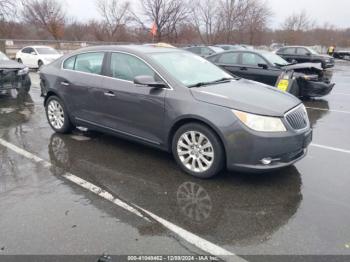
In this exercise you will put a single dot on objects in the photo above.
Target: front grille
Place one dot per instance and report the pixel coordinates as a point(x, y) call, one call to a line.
point(297, 118)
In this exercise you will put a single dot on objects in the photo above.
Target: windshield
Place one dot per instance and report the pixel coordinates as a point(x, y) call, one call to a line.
point(275, 59)
point(46, 51)
point(189, 68)
point(312, 51)
point(3, 57)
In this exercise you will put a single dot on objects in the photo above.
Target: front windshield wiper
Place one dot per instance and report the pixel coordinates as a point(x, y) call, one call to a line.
point(221, 80)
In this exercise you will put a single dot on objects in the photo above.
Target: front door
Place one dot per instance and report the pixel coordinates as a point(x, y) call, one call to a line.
point(127, 108)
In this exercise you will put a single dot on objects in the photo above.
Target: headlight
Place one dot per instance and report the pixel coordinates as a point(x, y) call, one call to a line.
point(261, 123)
point(23, 71)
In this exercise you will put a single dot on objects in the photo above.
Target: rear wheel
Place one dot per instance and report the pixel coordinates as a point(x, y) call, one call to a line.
point(198, 150)
point(57, 115)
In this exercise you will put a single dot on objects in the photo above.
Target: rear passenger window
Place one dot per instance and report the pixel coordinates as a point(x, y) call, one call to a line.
point(69, 63)
point(89, 63)
point(288, 51)
point(127, 67)
point(229, 58)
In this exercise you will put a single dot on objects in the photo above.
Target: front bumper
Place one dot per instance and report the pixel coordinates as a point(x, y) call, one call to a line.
point(247, 149)
point(315, 89)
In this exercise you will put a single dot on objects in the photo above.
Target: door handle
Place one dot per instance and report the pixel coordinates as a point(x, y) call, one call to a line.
point(64, 83)
point(243, 68)
point(109, 93)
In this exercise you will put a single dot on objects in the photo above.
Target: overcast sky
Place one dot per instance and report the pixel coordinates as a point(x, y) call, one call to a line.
point(336, 12)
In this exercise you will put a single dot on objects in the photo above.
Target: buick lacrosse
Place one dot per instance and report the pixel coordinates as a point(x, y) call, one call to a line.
point(179, 102)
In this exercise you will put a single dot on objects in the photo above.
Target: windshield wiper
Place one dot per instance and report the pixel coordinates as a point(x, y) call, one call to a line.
point(221, 80)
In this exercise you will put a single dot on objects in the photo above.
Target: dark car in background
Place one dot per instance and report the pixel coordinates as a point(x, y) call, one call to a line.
point(303, 54)
point(204, 51)
point(179, 102)
point(13, 75)
point(310, 80)
point(231, 47)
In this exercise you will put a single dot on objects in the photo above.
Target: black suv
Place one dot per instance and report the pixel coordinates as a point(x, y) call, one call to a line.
point(302, 54)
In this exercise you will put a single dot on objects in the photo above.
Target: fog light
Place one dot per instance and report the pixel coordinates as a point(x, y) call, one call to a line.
point(266, 161)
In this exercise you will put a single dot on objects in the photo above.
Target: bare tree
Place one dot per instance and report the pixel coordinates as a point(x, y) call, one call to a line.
point(205, 18)
point(232, 13)
point(115, 14)
point(7, 9)
point(49, 15)
point(257, 18)
point(298, 22)
point(166, 14)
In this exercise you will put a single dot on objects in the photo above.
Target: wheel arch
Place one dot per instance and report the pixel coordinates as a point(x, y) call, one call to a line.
point(192, 119)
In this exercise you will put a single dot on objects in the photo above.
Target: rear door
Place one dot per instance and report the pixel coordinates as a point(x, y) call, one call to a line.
point(137, 111)
point(230, 62)
point(81, 76)
point(288, 53)
point(302, 55)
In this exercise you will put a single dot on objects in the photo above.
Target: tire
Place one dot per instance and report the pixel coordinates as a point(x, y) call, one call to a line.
point(198, 150)
point(57, 115)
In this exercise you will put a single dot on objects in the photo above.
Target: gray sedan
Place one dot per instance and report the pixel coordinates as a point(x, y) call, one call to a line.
point(178, 102)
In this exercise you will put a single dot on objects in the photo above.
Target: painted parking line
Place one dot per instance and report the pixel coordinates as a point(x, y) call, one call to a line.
point(191, 238)
point(331, 148)
point(330, 110)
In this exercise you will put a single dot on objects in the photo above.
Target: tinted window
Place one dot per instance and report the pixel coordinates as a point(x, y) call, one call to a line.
point(288, 51)
point(69, 63)
point(127, 67)
point(89, 63)
point(229, 58)
point(252, 59)
point(26, 50)
point(302, 51)
point(195, 50)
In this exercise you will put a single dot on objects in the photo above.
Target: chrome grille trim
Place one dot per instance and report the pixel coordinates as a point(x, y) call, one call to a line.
point(297, 118)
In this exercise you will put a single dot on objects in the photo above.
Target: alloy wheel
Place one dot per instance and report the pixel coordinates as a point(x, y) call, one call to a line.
point(195, 151)
point(55, 114)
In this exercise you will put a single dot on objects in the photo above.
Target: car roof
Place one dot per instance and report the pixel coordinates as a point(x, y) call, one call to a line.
point(136, 49)
point(37, 46)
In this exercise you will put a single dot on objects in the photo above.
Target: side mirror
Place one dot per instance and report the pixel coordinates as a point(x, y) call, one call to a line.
point(294, 61)
point(148, 81)
point(33, 53)
point(308, 53)
point(264, 66)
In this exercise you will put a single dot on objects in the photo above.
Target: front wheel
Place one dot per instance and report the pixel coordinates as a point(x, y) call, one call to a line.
point(57, 115)
point(198, 150)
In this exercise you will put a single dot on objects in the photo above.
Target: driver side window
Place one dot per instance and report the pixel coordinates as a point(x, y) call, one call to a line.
point(127, 67)
point(302, 51)
point(251, 59)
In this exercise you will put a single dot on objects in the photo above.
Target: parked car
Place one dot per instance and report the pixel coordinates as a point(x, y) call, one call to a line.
point(204, 51)
point(37, 56)
point(303, 54)
point(13, 75)
point(178, 102)
point(266, 67)
point(230, 47)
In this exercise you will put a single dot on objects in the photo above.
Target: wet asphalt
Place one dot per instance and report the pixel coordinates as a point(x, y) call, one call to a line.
point(301, 210)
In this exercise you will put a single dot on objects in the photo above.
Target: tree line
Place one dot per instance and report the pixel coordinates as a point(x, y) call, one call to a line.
point(177, 21)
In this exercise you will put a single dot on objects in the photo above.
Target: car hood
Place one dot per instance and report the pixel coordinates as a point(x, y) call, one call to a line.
point(247, 96)
point(10, 64)
point(317, 66)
